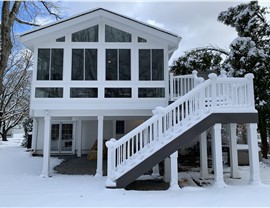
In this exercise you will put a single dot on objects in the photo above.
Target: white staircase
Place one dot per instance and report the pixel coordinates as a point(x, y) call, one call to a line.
point(149, 142)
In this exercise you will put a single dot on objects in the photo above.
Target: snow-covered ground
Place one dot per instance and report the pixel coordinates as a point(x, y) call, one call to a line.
point(21, 185)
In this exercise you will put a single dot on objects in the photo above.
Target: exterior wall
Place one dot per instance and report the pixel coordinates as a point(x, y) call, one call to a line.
point(88, 132)
point(100, 103)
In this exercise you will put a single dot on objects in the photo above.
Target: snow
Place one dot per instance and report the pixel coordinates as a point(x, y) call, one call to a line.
point(21, 185)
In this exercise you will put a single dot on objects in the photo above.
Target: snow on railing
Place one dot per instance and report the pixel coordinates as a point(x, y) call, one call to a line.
point(182, 84)
point(217, 94)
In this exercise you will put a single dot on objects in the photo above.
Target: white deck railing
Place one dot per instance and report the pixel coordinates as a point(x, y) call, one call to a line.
point(182, 84)
point(217, 94)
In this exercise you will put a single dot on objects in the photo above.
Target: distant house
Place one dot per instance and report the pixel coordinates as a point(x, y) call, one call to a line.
point(101, 75)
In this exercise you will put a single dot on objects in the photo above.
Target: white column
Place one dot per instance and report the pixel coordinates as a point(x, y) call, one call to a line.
point(212, 151)
point(174, 171)
point(253, 153)
point(34, 135)
point(203, 155)
point(167, 169)
point(79, 138)
point(233, 150)
point(99, 171)
point(156, 171)
point(217, 151)
point(47, 146)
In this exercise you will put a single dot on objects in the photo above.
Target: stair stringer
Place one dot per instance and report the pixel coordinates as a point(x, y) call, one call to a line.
point(175, 144)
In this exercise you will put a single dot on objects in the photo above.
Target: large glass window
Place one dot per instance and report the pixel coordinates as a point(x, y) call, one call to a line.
point(83, 92)
point(117, 92)
point(151, 93)
point(115, 35)
point(48, 92)
point(86, 35)
point(50, 64)
point(151, 64)
point(118, 64)
point(84, 64)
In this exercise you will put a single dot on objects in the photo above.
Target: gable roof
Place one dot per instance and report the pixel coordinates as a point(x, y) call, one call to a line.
point(27, 37)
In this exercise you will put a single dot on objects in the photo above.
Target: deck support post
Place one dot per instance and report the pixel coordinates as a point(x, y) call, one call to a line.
point(46, 146)
point(233, 150)
point(253, 153)
point(174, 171)
point(156, 171)
point(217, 155)
point(203, 155)
point(99, 171)
point(167, 169)
point(79, 138)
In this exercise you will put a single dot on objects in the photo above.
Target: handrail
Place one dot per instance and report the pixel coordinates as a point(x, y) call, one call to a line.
point(217, 94)
point(182, 84)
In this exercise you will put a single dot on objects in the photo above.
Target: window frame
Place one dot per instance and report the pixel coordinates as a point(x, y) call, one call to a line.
point(84, 64)
point(50, 64)
point(118, 66)
point(150, 70)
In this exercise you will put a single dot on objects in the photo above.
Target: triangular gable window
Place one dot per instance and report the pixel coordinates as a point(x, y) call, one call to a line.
point(87, 35)
point(115, 35)
point(141, 40)
point(62, 39)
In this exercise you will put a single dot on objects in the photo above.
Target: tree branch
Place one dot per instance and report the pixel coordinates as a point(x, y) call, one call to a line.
point(26, 23)
point(47, 7)
point(14, 11)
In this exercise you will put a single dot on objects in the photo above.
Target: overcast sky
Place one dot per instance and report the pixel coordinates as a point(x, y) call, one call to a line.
point(195, 21)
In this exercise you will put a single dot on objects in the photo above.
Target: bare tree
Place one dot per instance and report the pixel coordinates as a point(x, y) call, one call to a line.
point(15, 91)
point(15, 61)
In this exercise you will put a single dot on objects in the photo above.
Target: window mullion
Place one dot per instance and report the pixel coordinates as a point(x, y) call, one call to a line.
point(83, 64)
point(50, 65)
point(151, 69)
point(118, 64)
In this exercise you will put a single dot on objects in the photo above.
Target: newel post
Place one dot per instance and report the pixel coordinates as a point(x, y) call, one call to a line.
point(110, 163)
point(250, 92)
point(171, 86)
point(213, 78)
point(159, 111)
point(195, 77)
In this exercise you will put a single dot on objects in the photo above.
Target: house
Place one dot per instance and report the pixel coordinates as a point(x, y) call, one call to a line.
point(101, 75)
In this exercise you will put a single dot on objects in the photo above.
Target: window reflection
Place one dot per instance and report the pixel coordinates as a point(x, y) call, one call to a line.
point(83, 92)
point(151, 93)
point(49, 92)
point(117, 92)
point(86, 35)
point(115, 35)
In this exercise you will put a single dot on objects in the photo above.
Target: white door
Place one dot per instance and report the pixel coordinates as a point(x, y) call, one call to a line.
point(62, 137)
